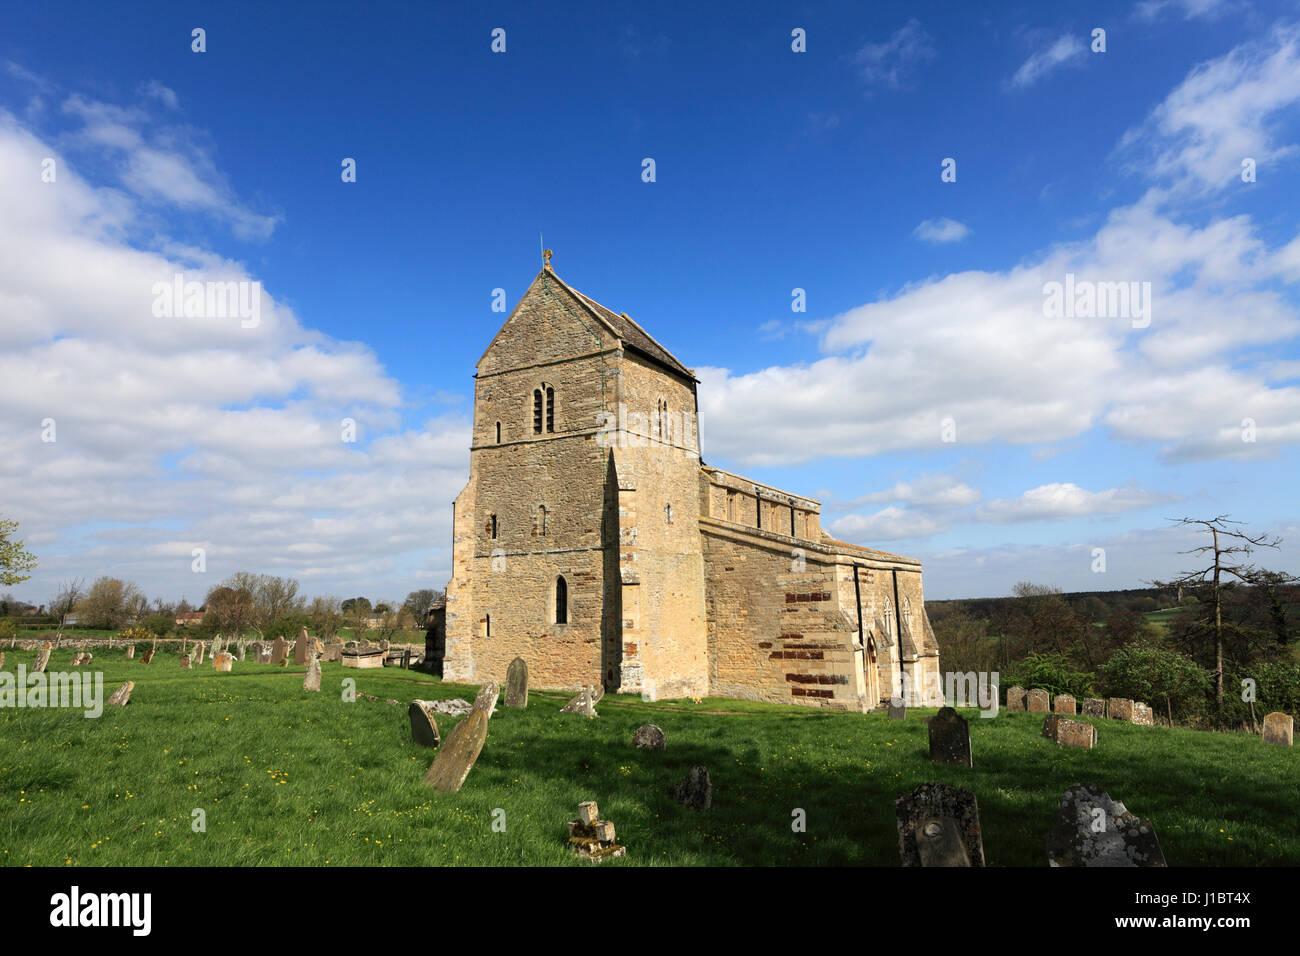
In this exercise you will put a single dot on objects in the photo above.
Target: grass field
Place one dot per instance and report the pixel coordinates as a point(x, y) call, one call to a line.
point(291, 778)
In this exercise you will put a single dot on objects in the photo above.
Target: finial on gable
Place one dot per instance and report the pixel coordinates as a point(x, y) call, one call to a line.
point(546, 259)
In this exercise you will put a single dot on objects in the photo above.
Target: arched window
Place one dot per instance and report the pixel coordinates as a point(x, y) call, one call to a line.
point(494, 527)
point(550, 409)
point(561, 601)
point(537, 411)
point(498, 433)
point(542, 515)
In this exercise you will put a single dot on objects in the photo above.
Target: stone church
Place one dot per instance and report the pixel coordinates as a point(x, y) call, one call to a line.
point(593, 541)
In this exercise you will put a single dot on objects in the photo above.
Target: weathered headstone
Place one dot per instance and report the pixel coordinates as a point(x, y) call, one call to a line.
point(1091, 829)
point(1119, 708)
point(333, 653)
point(147, 656)
point(424, 729)
point(406, 658)
point(695, 790)
point(122, 696)
point(130, 651)
point(592, 838)
point(301, 648)
point(939, 825)
point(583, 704)
point(1038, 701)
point(456, 754)
point(1142, 714)
point(199, 648)
point(1279, 728)
point(279, 650)
point(486, 700)
point(311, 681)
point(649, 737)
point(1070, 733)
point(897, 709)
point(241, 649)
point(950, 738)
point(223, 662)
point(517, 683)
point(1065, 704)
point(185, 662)
point(1016, 698)
point(455, 707)
point(42, 658)
point(1094, 707)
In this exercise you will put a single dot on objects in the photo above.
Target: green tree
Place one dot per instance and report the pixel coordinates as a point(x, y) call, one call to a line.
point(1146, 671)
point(14, 558)
point(1052, 672)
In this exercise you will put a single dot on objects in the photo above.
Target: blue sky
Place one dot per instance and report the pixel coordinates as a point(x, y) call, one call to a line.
point(775, 170)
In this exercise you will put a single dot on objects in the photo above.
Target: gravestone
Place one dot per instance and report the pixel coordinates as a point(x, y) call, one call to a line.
point(583, 704)
point(130, 651)
point(1142, 714)
point(695, 790)
point(1016, 698)
point(241, 649)
point(1094, 707)
point(592, 838)
point(223, 662)
point(147, 656)
point(42, 659)
point(122, 696)
point(406, 658)
point(362, 657)
point(301, 648)
point(1119, 708)
point(517, 683)
point(311, 681)
point(279, 650)
point(1091, 829)
point(649, 737)
point(897, 709)
point(1070, 733)
point(939, 825)
point(2, 659)
point(455, 707)
point(1279, 728)
point(265, 651)
point(199, 648)
point(424, 729)
point(456, 754)
point(486, 700)
point(1038, 701)
point(185, 662)
point(1065, 704)
point(333, 653)
point(950, 738)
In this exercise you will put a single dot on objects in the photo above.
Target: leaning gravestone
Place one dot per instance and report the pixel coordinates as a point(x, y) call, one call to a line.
point(424, 729)
point(1119, 708)
point(198, 653)
point(1070, 733)
point(456, 755)
point(279, 650)
point(583, 704)
point(695, 790)
point(42, 659)
point(1016, 698)
point(122, 696)
point(301, 647)
point(897, 709)
point(1094, 707)
point(1038, 701)
point(1065, 704)
point(312, 679)
point(1279, 728)
point(950, 738)
point(486, 700)
point(147, 656)
point(649, 737)
point(939, 825)
point(185, 662)
point(130, 651)
point(1091, 829)
point(517, 683)
point(1142, 714)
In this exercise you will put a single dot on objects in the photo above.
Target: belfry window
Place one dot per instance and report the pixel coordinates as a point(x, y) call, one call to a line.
point(498, 433)
point(561, 601)
point(537, 411)
point(494, 527)
point(550, 409)
point(542, 515)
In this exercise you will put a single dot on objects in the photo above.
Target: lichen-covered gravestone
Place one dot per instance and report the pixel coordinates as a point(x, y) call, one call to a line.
point(1038, 701)
point(1091, 829)
point(517, 683)
point(1065, 704)
point(42, 659)
point(279, 650)
point(1119, 708)
point(147, 656)
point(1094, 707)
point(122, 696)
point(1142, 714)
point(592, 838)
point(584, 703)
point(130, 651)
point(1070, 733)
point(486, 699)
point(424, 729)
point(224, 662)
point(649, 737)
point(457, 753)
point(939, 825)
point(311, 681)
point(950, 738)
point(1016, 698)
point(198, 653)
point(1279, 728)
point(695, 790)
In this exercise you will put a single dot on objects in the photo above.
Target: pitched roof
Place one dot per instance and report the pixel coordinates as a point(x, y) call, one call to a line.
point(626, 328)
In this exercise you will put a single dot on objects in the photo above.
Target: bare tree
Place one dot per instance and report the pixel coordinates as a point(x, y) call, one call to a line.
point(277, 597)
point(66, 600)
point(1229, 550)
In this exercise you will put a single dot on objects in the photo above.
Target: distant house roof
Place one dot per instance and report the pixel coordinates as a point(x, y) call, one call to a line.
point(189, 617)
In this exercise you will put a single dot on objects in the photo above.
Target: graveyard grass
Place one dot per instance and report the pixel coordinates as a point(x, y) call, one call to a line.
point(288, 777)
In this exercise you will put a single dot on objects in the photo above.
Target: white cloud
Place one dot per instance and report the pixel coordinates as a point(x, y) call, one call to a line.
point(941, 230)
point(894, 62)
point(1189, 9)
point(888, 524)
point(1065, 49)
point(1062, 500)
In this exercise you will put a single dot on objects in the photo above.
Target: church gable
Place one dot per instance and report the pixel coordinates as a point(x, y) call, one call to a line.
point(550, 324)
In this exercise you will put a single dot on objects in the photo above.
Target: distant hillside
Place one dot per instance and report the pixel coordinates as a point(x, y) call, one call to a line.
point(1093, 605)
